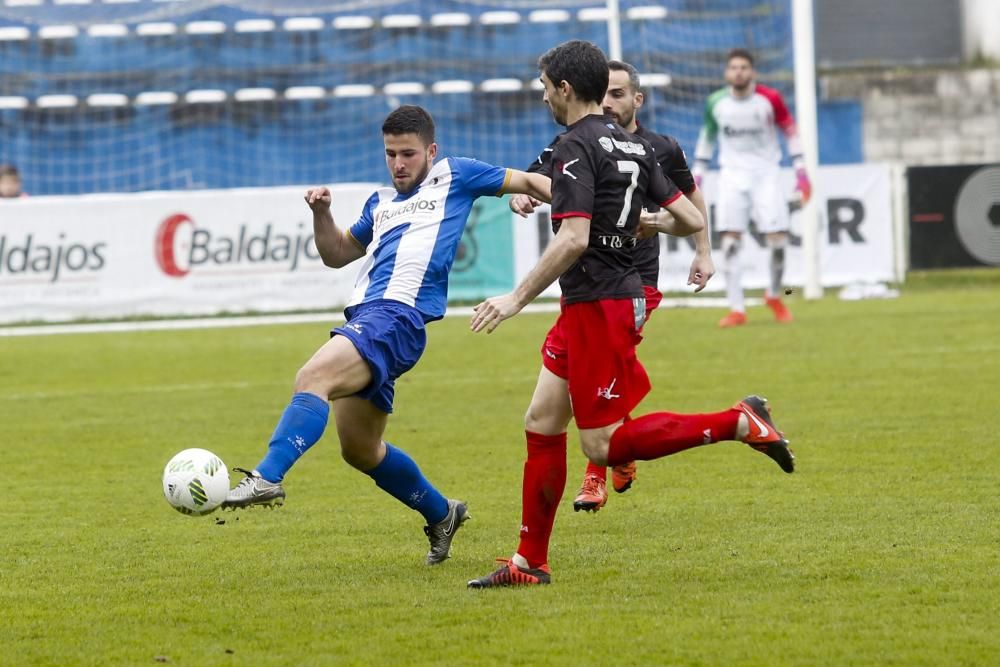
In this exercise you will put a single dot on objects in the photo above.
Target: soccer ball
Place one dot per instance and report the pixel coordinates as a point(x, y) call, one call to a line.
point(195, 482)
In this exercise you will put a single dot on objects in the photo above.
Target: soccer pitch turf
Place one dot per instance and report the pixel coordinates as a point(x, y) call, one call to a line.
point(881, 549)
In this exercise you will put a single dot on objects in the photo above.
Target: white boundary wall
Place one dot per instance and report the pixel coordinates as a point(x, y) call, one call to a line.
point(238, 251)
point(858, 237)
point(168, 253)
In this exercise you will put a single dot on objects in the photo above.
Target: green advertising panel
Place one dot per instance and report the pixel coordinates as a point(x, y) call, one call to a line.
point(484, 263)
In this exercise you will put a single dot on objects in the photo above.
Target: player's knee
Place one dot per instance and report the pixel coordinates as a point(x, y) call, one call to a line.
point(533, 419)
point(361, 456)
point(318, 379)
point(307, 379)
point(777, 241)
point(538, 419)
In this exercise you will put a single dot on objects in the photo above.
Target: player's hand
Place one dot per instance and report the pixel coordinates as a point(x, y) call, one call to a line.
point(802, 185)
point(702, 270)
point(490, 313)
point(318, 199)
point(523, 204)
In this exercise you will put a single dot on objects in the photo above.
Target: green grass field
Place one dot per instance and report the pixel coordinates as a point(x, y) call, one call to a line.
point(882, 548)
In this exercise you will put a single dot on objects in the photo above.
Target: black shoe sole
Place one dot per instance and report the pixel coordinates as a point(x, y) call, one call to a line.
point(586, 507)
point(624, 488)
point(782, 455)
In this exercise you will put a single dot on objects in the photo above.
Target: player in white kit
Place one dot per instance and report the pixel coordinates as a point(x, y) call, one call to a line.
point(744, 119)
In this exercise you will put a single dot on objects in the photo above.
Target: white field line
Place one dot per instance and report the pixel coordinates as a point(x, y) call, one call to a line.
point(131, 391)
point(305, 318)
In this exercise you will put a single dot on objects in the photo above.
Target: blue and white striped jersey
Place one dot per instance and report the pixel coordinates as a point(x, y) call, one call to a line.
point(411, 239)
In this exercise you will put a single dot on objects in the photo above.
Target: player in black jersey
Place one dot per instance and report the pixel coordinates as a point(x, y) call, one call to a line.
point(622, 100)
point(600, 176)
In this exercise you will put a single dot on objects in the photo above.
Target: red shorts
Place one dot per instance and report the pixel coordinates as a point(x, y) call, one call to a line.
point(653, 299)
point(592, 347)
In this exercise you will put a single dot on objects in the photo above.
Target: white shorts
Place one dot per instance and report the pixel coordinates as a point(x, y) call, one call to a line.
point(746, 195)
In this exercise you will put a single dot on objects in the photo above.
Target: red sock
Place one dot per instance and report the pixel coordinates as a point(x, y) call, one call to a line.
point(661, 434)
point(594, 470)
point(541, 491)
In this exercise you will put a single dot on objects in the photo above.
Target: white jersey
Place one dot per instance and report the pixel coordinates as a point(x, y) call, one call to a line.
point(411, 239)
point(746, 129)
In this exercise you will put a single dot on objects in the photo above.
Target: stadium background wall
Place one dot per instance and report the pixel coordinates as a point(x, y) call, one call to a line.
point(147, 95)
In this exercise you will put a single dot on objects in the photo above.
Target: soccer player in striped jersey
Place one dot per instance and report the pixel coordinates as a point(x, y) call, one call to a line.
point(744, 119)
point(590, 374)
point(408, 235)
point(622, 102)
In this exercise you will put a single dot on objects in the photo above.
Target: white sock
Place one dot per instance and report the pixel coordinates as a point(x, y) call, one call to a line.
point(742, 426)
point(734, 277)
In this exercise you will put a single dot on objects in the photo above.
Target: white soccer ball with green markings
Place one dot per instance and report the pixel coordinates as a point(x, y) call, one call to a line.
point(195, 482)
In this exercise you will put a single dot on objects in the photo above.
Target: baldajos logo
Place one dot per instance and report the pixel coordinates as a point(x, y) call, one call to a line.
point(181, 246)
point(388, 214)
point(28, 257)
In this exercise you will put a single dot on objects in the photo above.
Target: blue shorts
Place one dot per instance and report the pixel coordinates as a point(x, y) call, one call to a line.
point(390, 336)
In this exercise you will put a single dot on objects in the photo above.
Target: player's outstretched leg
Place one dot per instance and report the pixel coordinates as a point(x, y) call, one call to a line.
point(443, 532)
point(254, 490)
point(662, 434)
point(510, 574)
point(593, 492)
point(763, 435)
point(300, 427)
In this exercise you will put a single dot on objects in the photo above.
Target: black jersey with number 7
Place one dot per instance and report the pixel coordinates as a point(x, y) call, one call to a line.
point(601, 172)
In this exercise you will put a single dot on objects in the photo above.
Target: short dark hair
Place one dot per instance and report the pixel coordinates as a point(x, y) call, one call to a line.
point(9, 170)
point(739, 53)
point(579, 63)
point(410, 119)
point(622, 66)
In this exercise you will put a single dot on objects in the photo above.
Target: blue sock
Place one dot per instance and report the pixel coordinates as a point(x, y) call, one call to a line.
point(399, 476)
point(301, 426)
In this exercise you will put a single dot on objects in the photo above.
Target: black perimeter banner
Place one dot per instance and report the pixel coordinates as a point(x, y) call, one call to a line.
point(954, 216)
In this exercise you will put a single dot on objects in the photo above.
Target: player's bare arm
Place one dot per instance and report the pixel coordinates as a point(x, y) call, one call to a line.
point(567, 246)
point(535, 186)
point(666, 222)
point(702, 266)
point(335, 245)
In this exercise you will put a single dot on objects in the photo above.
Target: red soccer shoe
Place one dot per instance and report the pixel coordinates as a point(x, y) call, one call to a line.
point(733, 319)
point(763, 435)
point(781, 313)
point(512, 575)
point(593, 494)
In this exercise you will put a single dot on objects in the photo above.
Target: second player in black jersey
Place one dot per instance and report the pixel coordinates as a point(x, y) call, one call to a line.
point(621, 103)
